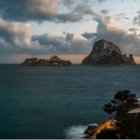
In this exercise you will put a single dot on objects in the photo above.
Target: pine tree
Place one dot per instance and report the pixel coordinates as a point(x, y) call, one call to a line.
point(123, 102)
point(129, 124)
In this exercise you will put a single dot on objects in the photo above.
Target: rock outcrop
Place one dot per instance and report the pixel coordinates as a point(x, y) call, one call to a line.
point(107, 53)
point(104, 130)
point(53, 61)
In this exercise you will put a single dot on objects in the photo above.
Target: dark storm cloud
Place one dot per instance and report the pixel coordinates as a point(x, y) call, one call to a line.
point(41, 10)
point(23, 10)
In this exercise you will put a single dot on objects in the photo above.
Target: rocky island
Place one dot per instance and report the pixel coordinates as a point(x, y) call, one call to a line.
point(107, 53)
point(53, 61)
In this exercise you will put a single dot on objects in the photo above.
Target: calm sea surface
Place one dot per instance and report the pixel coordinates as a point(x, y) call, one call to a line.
point(42, 102)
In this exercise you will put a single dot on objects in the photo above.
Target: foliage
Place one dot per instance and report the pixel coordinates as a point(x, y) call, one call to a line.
point(128, 124)
point(123, 102)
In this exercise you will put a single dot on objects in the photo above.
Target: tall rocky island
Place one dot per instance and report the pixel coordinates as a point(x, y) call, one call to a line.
point(107, 53)
point(53, 61)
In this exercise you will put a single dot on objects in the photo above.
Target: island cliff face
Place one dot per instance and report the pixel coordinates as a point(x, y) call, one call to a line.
point(107, 53)
point(53, 61)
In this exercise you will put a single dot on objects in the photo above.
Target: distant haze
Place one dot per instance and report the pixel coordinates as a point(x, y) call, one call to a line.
point(75, 59)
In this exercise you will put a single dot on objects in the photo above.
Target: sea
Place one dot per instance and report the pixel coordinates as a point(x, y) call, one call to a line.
point(58, 102)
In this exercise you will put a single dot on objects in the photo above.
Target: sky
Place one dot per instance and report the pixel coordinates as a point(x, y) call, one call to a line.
point(67, 28)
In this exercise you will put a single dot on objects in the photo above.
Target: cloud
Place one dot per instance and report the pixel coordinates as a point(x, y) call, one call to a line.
point(68, 17)
point(25, 10)
point(109, 30)
point(101, 0)
point(137, 19)
point(14, 33)
point(61, 45)
point(88, 36)
point(30, 10)
point(16, 38)
point(69, 36)
point(77, 14)
point(42, 10)
point(121, 16)
point(133, 30)
point(68, 2)
point(104, 11)
point(84, 9)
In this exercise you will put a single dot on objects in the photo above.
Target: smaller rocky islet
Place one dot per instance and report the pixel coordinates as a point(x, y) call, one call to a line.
point(53, 61)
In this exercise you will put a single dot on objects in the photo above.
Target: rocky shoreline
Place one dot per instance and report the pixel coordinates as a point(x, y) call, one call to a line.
point(123, 124)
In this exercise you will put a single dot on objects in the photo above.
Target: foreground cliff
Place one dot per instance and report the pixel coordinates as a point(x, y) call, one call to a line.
point(53, 61)
point(107, 53)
